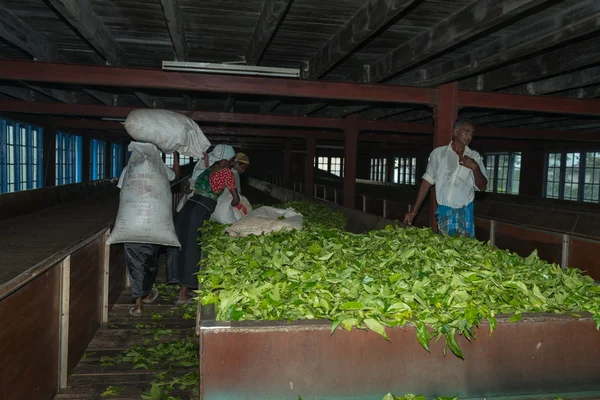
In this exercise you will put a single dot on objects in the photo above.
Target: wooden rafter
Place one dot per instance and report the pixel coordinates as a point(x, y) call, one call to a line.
point(88, 24)
point(268, 106)
point(555, 62)
point(271, 16)
point(575, 79)
point(18, 92)
point(477, 17)
point(576, 21)
point(366, 22)
point(175, 24)
point(15, 31)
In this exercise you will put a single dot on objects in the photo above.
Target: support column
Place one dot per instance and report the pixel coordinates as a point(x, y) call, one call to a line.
point(390, 168)
point(287, 163)
point(309, 164)
point(532, 172)
point(49, 158)
point(444, 116)
point(85, 159)
point(108, 159)
point(350, 152)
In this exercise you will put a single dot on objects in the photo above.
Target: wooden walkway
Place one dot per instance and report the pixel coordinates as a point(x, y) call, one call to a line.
point(164, 334)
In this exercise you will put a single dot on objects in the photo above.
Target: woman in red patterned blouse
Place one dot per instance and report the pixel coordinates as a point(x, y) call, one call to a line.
point(182, 264)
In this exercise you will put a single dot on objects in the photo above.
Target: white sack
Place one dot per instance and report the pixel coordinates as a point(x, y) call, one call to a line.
point(224, 213)
point(266, 220)
point(168, 130)
point(145, 203)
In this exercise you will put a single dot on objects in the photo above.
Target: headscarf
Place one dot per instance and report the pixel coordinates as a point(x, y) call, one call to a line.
point(220, 152)
point(242, 158)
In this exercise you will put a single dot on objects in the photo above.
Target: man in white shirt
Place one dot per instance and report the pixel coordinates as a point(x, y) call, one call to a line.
point(457, 171)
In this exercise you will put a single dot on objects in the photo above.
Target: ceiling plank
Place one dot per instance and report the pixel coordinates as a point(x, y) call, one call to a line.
point(576, 21)
point(15, 31)
point(174, 20)
point(86, 22)
point(308, 109)
point(365, 23)
point(269, 106)
point(382, 113)
point(18, 92)
point(157, 79)
point(575, 79)
point(477, 17)
point(57, 94)
point(581, 93)
point(103, 97)
point(271, 16)
point(555, 62)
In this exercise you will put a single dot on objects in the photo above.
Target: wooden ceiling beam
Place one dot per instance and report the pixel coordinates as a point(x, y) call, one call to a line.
point(103, 97)
point(581, 93)
point(174, 20)
point(308, 109)
point(574, 79)
point(271, 16)
point(149, 101)
point(229, 103)
point(478, 17)
point(555, 62)
point(382, 113)
point(362, 26)
point(544, 104)
point(57, 94)
point(341, 112)
point(581, 19)
point(168, 80)
point(88, 24)
point(15, 31)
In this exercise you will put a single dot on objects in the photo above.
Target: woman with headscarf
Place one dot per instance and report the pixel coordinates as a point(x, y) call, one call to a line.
point(182, 264)
point(240, 163)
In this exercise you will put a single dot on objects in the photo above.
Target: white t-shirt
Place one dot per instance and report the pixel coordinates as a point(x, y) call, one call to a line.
point(454, 184)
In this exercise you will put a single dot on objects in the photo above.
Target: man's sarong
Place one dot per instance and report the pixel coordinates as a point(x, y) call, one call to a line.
point(456, 221)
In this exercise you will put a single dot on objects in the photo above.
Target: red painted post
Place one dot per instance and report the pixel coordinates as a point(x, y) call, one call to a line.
point(351, 131)
point(444, 116)
point(309, 165)
point(287, 163)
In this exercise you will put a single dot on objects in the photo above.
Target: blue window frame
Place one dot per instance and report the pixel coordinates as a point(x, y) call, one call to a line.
point(21, 155)
point(68, 158)
point(117, 160)
point(97, 160)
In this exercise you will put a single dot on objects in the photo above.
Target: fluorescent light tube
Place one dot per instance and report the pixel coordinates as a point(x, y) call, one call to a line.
point(232, 69)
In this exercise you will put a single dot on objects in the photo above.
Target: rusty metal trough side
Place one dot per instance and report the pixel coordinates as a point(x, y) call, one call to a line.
point(537, 356)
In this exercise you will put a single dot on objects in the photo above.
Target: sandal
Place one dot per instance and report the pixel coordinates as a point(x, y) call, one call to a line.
point(154, 293)
point(134, 313)
point(188, 301)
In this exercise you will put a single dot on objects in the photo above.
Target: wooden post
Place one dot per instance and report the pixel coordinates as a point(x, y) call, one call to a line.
point(532, 172)
point(105, 278)
point(350, 150)
point(444, 116)
point(108, 159)
point(309, 165)
point(85, 159)
point(49, 155)
point(65, 288)
point(287, 163)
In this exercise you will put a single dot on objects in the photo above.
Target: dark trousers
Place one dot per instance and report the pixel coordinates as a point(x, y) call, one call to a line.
point(182, 265)
point(142, 265)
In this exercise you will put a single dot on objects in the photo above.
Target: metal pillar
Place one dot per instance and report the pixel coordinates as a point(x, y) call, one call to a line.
point(309, 165)
point(351, 131)
point(444, 115)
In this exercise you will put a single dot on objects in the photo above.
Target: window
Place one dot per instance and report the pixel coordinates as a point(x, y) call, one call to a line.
point(573, 176)
point(336, 166)
point(183, 160)
point(169, 159)
point(21, 154)
point(378, 169)
point(68, 158)
point(333, 165)
point(504, 172)
point(405, 170)
point(97, 160)
point(117, 160)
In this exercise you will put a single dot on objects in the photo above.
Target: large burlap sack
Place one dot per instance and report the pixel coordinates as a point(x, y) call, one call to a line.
point(168, 130)
point(145, 203)
point(266, 220)
point(224, 213)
